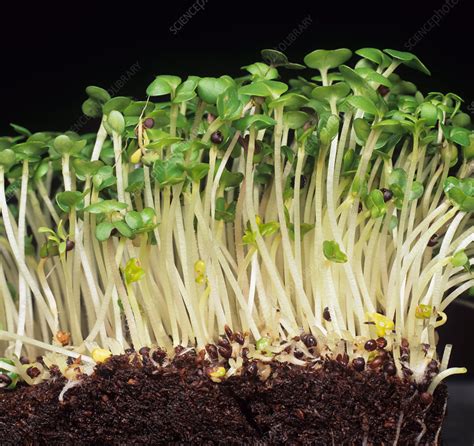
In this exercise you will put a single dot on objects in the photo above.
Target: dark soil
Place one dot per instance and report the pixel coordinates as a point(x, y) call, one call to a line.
point(127, 402)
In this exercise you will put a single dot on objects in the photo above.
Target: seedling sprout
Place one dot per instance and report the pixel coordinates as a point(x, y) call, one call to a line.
point(330, 215)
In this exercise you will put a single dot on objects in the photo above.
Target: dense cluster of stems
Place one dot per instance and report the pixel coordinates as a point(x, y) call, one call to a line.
point(338, 204)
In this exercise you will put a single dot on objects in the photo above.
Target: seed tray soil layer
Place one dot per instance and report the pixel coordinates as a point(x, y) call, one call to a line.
point(130, 401)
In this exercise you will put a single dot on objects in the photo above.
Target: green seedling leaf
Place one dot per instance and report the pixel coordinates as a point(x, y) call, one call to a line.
point(459, 259)
point(295, 119)
point(364, 104)
point(263, 173)
point(359, 187)
point(148, 217)
point(393, 125)
point(106, 207)
point(97, 94)
point(330, 130)
point(423, 311)
point(331, 93)
point(209, 88)
point(136, 180)
point(69, 200)
point(92, 108)
point(123, 229)
point(116, 121)
point(374, 55)
point(333, 253)
point(138, 108)
point(291, 101)
point(272, 89)
point(21, 130)
point(133, 271)
point(169, 172)
point(460, 135)
point(375, 204)
point(468, 151)
point(104, 178)
point(231, 179)
point(373, 76)
point(30, 150)
point(429, 113)
point(358, 84)
point(261, 71)
point(7, 158)
point(163, 85)
point(408, 59)
point(274, 57)
point(119, 103)
point(134, 220)
point(224, 211)
point(362, 129)
point(323, 60)
point(161, 139)
point(186, 91)
point(197, 171)
point(229, 106)
point(348, 160)
point(41, 170)
point(461, 120)
point(267, 229)
point(103, 231)
point(259, 122)
point(460, 192)
point(85, 168)
point(63, 144)
point(249, 237)
point(417, 190)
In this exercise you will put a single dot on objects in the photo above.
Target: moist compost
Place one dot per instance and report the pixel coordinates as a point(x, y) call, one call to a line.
point(129, 400)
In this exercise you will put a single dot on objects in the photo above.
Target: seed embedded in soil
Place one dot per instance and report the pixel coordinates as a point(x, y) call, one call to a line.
point(225, 352)
point(381, 342)
point(383, 90)
point(158, 356)
point(309, 340)
point(144, 351)
point(376, 363)
point(5, 380)
point(239, 338)
point(433, 366)
point(70, 245)
point(426, 398)
point(389, 368)
point(252, 368)
point(370, 345)
point(229, 333)
point(387, 194)
point(63, 337)
point(148, 123)
point(217, 137)
point(223, 342)
point(358, 364)
point(433, 240)
point(211, 350)
point(33, 372)
point(327, 314)
point(343, 359)
point(24, 360)
point(298, 354)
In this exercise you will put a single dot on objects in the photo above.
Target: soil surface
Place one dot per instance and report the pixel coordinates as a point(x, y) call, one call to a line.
point(130, 401)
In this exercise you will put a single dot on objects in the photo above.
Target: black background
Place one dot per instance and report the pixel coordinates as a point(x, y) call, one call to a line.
point(50, 54)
